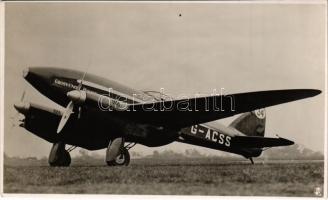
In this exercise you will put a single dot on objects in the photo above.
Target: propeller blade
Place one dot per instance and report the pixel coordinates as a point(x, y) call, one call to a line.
point(23, 95)
point(17, 113)
point(69, 109)
point(13, 120)
point(80, 111)
point(81, 81)
point(65, 116)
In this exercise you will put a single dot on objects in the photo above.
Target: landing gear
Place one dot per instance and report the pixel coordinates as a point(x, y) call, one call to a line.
point(252, 161)
point(122, 159)
point(59, 156)
point(117, 154)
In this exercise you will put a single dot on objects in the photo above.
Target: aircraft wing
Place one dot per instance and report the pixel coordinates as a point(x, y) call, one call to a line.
point(259, 142)
point(186, 112)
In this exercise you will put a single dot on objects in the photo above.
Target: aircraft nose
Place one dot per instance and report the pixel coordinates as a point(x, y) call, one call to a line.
point(44, 72)
point(36, 75)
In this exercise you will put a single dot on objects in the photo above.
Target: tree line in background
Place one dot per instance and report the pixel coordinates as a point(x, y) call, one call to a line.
point(294, 152)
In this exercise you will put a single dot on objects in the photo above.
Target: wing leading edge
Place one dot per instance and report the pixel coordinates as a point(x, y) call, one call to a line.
point(187, 112)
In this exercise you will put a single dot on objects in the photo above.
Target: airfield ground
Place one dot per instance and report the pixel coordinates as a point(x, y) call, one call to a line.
point(174, 177)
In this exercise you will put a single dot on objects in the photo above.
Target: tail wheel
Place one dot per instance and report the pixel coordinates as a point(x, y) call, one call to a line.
point(122, 159)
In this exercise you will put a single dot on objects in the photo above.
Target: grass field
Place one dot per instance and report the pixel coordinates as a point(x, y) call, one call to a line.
point(184, 177)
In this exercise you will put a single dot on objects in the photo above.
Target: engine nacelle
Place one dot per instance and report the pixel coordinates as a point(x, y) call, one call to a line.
point(22, 107)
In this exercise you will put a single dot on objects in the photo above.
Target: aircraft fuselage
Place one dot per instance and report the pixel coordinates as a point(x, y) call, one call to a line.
point(93, 128)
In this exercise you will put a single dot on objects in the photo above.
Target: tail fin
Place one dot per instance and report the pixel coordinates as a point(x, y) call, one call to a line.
point(251, 123)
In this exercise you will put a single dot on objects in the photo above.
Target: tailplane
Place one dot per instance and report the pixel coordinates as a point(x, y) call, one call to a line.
point(251, 123)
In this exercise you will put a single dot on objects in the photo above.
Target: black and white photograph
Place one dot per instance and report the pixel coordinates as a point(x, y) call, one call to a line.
point(212, 98)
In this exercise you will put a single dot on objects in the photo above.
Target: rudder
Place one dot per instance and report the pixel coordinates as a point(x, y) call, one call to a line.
point(251, 123)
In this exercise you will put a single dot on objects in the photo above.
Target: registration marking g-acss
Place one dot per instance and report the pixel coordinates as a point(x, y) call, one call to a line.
point(211, 135)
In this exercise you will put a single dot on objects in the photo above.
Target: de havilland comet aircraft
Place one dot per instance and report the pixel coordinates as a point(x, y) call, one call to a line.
point(100, 113)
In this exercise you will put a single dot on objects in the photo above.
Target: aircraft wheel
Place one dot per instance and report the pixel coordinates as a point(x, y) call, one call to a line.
point(59, 157)
point(122, 159)
point(66, 159)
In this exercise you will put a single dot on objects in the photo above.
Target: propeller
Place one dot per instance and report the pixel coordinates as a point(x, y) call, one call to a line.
point(23, 96)
point(76, 96)
point(65, 116)
point(20, 108)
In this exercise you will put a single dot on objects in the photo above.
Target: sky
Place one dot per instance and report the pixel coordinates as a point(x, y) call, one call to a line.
point(240, 47)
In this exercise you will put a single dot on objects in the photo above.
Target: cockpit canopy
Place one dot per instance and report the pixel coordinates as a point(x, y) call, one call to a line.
point(157, 96)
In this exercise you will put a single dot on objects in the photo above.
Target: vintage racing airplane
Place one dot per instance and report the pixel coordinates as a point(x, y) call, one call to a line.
point(102, 114)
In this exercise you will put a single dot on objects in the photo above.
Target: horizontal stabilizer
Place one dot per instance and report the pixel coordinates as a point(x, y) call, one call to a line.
point(259, 142)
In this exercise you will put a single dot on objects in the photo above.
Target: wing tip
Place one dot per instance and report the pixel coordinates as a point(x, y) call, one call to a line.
point(310, 92)
point(314, 92)
point(286, 142)
point(304, 93)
